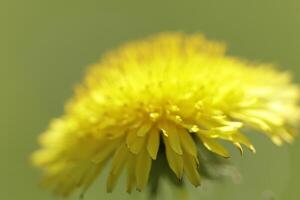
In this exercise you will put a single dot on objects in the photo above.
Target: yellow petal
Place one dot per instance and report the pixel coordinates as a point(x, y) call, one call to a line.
point(105, 150)
point(175, 160)
point(187, 142)
point(229, 127)
point(170, 132)
point(266, 115)
point(276, 139)
point(131, 181)
point(144, 129)
point(153, 143)
point(239, 147)
point(117, 165)
point(240, 138)
point(190, 169)
point(253, 121)
point(213, 146)
point(91, 176)
point(286, 135)
point(134, 142)
point(142, 171)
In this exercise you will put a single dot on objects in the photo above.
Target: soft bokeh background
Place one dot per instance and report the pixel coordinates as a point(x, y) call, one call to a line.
point(45, 46)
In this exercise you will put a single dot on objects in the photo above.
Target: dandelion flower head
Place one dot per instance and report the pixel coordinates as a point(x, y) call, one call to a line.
point(170, 93)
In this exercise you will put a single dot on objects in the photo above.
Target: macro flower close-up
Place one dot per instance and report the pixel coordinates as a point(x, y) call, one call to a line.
point(164, 97)
point(150, 100)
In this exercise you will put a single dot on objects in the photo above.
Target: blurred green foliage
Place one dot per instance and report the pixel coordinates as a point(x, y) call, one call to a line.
point(46, 45)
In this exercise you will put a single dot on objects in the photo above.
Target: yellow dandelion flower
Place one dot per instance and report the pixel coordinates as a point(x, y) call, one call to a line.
point(167, 92)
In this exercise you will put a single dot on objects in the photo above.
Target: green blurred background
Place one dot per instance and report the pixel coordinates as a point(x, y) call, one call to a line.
point(45, 46)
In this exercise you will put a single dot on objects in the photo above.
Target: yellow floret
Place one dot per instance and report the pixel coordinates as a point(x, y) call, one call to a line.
point(169, 91)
